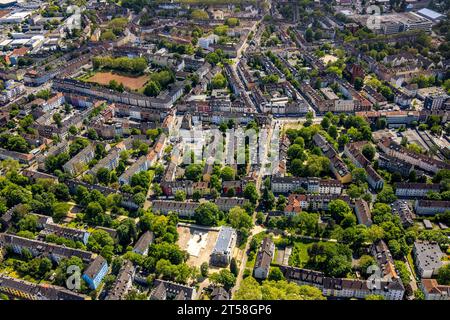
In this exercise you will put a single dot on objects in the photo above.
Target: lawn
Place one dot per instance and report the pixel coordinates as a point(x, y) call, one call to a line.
point(299, 257)
point(133, 83)
point(411, 264)
point(251, 262)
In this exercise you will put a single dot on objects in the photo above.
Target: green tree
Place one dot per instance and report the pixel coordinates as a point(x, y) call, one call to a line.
point(359, 176)
point(206, 214)
point(193, 172)
point(386, 195)
point(29, 223)
point(127, 231)
point(223, 277)
point(325, 123)
point(251, 193)
point(103, 176)
point(204, 269)
point(199, 15)
point(60, 210)
point(368, 151)
point(358, 83)
point(374, 297)
point(444, 275)
point(309, 34)
point(276, 274)
point(234, 267)
point(249, 289)
point(219, 81)
point(364, 263)
point(227, 173)
point(332, 131)
point(339, 209)
point(239, 218)
point(152, 89)
point(403, 271)
point(180, 195)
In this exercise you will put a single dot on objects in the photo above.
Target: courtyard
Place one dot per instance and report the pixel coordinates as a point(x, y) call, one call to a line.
point(197, 241)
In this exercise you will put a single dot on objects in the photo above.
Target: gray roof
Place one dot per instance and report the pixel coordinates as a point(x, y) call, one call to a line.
point(224, 240)
point(62, 231)
point(95, 267)
point(265, 254)
point(41, 292)
point(43, 247)
point(144, 241)
point(428, 255)
point(178, 291)
point(121, 285)
point(220, 293)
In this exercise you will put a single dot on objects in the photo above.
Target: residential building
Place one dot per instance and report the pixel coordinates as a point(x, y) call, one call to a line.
point(141, 246)
point(163, 102)
point(123, 283)
point(393, 149)
point(111, 161)
point(165, 290)
point(337, 166)
point(65, 232)
point(344, 288)
point(402, 209)
point(380, 251)
point(225, 204)
point(95, 272)
point(237, 185)
point(434, 291)
point(22, 289)
point(427, 256)
point(427, 224)
point(169, 188)
point(431, 207)
point(415, 190)
point(392, 165)
point(310, 202)
point(183, 208)
point(25, 158)
point(435, 101)
point(219, 293)
point(362, 211)
point(141, 164)
point(353, 152)
point(310, 185)
point(79, 162)
point(223, 249)
point(39, 248)
point(264, 259)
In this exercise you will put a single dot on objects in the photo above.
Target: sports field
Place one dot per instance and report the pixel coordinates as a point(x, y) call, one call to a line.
point(133, 83)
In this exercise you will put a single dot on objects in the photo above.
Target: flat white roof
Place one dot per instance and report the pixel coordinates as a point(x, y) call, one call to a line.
point(346, 12)
point(21, 14)
point(5, 42)
point(430, 13)
point(19, 41)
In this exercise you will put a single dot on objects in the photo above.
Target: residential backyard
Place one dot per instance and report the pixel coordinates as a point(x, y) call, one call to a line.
point(299, 256)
